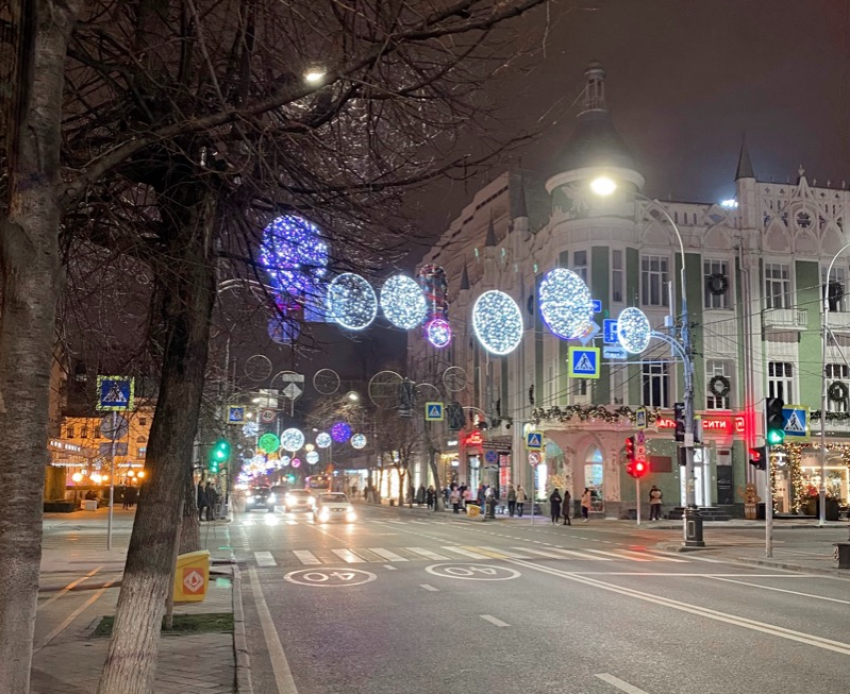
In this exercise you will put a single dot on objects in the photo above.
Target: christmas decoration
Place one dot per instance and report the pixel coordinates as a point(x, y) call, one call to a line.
point(497, 322)
point(285, 460)
point(323, 440)
point(633, 330)
point(292, 439)
point(584, 413)
point(296, 462)
point(435, 286)
point(565, 303)
point(250, 429)
point(719, 386)
point(358, 441)
point(284, 331)
point(341, 432)
point(294, 255)
point(717, 283)
point(351, 302)
point(312, 457)
point(269, 442)
point(403, 302)
point(837, 391)
point(438, 332)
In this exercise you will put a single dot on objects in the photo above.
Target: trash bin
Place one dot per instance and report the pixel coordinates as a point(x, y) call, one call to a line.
point(473, 511)
point(192, 576)
point(90, 504)
point(842, 554)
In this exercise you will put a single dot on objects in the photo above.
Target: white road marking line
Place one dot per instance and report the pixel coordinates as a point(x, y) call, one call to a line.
point(306, 556)
point(389, 567)
point(651, 556)
point(779, 590)
point(493, 620)
point(291, 522)
point(76, 613)
point(398, 522)
point(347, 555)
point(280, 665)
point(504, 552)
point(618, 556)
point(420, 522)
point(70, 586)
point(466, 552)
point(386, 554)
point(620, 684)
point(264, 559)
point(427, 553)
point(579, 555)
point(552, 555)
point(428, 588)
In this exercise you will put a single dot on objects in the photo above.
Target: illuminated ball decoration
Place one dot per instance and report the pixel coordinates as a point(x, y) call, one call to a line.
point(292, 440)
point(323, 439)
point(77, 477)
point(282, 331)
point(439, 332)
point(633, 330)
point(269, 442)
point(312, 457)
point(403, 302)
point(294, 255)
point(250, 429)
point(341, 432)
point(258, 460)
point(285, 460)
point(497, 322)
point(358, 441)
point(351, 302)
point(565, 303)
point(296, 462)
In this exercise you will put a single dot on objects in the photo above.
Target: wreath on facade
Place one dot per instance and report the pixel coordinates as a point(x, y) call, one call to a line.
point(719, 386)
point(837, 392)
point(717, 283)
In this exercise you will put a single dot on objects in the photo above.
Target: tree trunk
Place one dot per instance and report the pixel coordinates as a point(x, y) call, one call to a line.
point(188, 272)
point(432, 463)
point(190, 526)
point(31, 275)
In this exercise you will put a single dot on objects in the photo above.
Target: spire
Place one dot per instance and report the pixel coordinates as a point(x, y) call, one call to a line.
point(594, 90)
point(745, 166)
point(464, 278)
point(522, 206)
point(490, 241)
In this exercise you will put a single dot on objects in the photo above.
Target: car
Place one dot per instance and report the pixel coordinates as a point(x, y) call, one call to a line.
point(298, 500)
point(332, 506)
point(260, 497)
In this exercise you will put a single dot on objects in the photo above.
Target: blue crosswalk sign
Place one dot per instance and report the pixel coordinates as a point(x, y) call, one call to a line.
point(433, 412)
point(115, 393)
point(583, 362)
point(534, 440)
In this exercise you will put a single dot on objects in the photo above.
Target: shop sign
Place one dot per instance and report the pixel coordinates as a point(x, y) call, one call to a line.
point(474, 439)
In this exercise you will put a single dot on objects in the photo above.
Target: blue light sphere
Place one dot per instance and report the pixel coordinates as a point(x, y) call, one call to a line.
point(323, 439)
point(497, 322)
point(351, 302)
point(294, 255)
point(633, 330)
point(403, 302)
point(341, 432)
point(565, 303)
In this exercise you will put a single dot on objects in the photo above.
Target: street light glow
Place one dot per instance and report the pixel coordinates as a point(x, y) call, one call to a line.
point(603, 186)
point(315, 74)
point(353, 396)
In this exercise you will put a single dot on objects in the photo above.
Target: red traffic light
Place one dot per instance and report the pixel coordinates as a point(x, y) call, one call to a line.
point(630, 448)
point(755, 455)
point(641, 468)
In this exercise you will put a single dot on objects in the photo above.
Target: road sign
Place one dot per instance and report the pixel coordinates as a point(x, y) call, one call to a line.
point(640, 438)
point(434, 412)
point(612, 352)
point(609, 331)
point(796, 422)
point(641, 421)
point(113, 427)
point(115, 393)
point(593, 329)
point(105, 449)
point(235, 414)
point(533, 458)
point(267, 415)
point(193, 581)
point(583, 362)
point(596, 304)
point(292, 391)
point(534, 440)
point(491, 457)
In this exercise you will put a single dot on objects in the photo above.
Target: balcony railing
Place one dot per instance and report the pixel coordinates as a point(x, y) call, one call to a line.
point(786, 319)
point(839, 322)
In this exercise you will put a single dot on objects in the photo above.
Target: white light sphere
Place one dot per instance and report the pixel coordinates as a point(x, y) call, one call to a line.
point(351, 302)
point(291, 440)
point(312, 457)
point(250, 429)
point(403, 302)
point(439, 332)
point(358, 441)
point(285, 460)
point(565, 303)
point(633, 330)
point(323, 439)
point(497, 322)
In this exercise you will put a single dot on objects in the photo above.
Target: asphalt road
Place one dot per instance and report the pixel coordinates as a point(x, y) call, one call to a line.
point(413, 603)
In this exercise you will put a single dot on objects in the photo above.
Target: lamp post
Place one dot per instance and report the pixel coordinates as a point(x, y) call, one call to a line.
point(692, 522)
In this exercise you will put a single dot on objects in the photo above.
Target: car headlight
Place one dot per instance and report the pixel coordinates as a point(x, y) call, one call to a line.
point(250, 498)
point(323, 514)
point(271, 498)
point(288, 498)
point(350, 515)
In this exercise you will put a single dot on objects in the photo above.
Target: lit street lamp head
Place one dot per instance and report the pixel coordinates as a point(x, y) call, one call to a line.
point(314, 75)
point(603, 186)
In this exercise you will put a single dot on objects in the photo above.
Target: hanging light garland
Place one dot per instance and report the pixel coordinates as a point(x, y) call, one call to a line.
point(403, 302)
point(269, 442)
point(565, 303)
point(358, 441)
point(584, 413)
point(323, 439)
point(341, 432)
point(292, 440)
point(435, 287)
point(312, 457)
point(351, 302)
point(497, 322)
point(633, 330)
point(293, 255)
point(439, 332)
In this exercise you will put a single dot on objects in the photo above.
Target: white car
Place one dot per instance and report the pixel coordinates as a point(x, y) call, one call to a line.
point(298, 500)
point(332, 506)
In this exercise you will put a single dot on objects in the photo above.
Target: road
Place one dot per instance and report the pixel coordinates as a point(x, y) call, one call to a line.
point(416, 603)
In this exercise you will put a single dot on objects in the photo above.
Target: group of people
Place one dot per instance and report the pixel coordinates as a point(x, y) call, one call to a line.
point(424, 496)
point(459, 496)
point(208, 497)
point(559, 506)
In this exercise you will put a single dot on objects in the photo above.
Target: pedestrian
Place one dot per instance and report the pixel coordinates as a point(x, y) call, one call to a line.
point(467, 496)
point(482, 495)
point(212, 498)
point(431, 497)
point(202, 501)
point(555, 506)
point(521, 498)
point(124, 493)
point(420, 495)
point(654, 503)
point(133, 493)
point(511, 500)
point(568, 499)
point(454, 499)
point(586, 500)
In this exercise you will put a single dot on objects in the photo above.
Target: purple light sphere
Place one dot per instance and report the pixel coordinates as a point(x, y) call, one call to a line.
point(340, 432)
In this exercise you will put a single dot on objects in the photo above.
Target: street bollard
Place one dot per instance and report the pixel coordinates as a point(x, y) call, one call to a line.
point(491, 508)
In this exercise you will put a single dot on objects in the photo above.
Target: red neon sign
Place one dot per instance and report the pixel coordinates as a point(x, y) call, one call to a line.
point(474, 439)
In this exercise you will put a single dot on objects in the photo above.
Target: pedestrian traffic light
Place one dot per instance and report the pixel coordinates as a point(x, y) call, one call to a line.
point(775, 429)
point(641, 467)
point(758, 457)
point(219, 455)
point(630, 448)
point(679, 414)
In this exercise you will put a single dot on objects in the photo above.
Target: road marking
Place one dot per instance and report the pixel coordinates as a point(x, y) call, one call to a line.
point(70, 586)
point(427, 553)
point(291, 522)
point(398, 522)
point(389, 567)
point(466, 552)
point(651, 556)
point(280, 665)
point(780, 590)
point(347, 555)
point(492, 552)
point(76, 613)
point(427, 587)
point(551, 554)
point(493, 620)
point(386, 554)
point(504, 553)
point(420, 522)
point(306, 556)
point(264, 559)
point(618, 556)
point(620, 684)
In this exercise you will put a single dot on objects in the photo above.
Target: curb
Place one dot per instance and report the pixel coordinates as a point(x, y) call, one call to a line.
point(240, 640)
point(779, 564)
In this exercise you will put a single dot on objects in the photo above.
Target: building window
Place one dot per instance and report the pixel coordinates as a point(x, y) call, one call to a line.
point(143, 421)
point(780, 381)
point(718, 373)
point(656, 385)
point(71, 431)
point(580, 264)
point(617, 276)
point(837, 373)
point(141, 439)
point(96, 433)
point(84, 432)
point(777, 285)
point(141, 451)
point(716, 284)
point(835, 291)
point(654, 277)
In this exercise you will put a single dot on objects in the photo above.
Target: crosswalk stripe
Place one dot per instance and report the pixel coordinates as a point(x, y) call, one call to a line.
point(618, 556)
point(306, 556)
point(264, 559)
point(504, 552)
point(491, 552)
point(348, 556)
point(541, 552)
point(398, 522)
point(386, 554)
point(577, 555)
point(466, 552)
point(651, 556)
point(427, 553)
point(291, 522)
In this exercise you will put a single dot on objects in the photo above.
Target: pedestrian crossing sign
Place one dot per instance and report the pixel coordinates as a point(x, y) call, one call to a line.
point(115, 393)
point(796, 426)
point(583, 362)
point(534, 440)
point(433, 412)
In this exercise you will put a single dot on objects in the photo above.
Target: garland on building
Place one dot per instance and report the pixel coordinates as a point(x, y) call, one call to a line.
point(837, 392)
point(719, 386)
point(589, 413)
point(794, 452)
point(841, 417)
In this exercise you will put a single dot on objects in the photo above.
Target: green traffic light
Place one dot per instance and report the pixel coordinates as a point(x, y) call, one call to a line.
point(775, 436)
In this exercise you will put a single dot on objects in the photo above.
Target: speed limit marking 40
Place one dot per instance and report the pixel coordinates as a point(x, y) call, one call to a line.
point(330, 578)
point(473, 572)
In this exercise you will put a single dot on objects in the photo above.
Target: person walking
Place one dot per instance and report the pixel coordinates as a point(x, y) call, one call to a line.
point(454, 500)
point(212, 500)
point(566, 509)
point(202, 501)
point(521, 498)
point(430, 498)
point(511, 500)
point(586, 500)
point(555, 506)
point(420, 495)
point(654, 503)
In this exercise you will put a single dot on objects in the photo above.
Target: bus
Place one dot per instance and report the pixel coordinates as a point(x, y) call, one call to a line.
point(320, 483)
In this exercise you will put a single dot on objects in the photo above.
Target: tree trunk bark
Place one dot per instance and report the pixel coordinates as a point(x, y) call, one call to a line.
point(31, 277)
point(188, 272)
point(190, 527)
point(432, 463)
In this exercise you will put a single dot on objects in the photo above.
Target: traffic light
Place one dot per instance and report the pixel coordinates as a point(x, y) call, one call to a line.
point(758, 457)
point(630, 448)
point(219, 455)
point(641, 467)
point(775, 430)
point(679, 414)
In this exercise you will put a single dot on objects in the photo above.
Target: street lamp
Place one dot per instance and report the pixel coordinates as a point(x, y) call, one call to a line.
point(692, 522)
point(315, 74)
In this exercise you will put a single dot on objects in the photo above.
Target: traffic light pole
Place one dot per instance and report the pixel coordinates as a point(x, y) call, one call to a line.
point(637, 496)
point(768, 505)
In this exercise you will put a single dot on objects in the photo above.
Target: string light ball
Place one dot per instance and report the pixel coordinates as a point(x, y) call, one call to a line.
point(358, 441)
point(351, 302)
point(250, 429)
point(497, 322)
point(285, 460)
point(565, 303)
point(439, 332)
point(296, 463)
point(293, 254)
point(269, 442)
point(633, 330)
point(403, 302)
point(312, 457)
point(341, 432)
point(292, 439)
point(323, 440)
